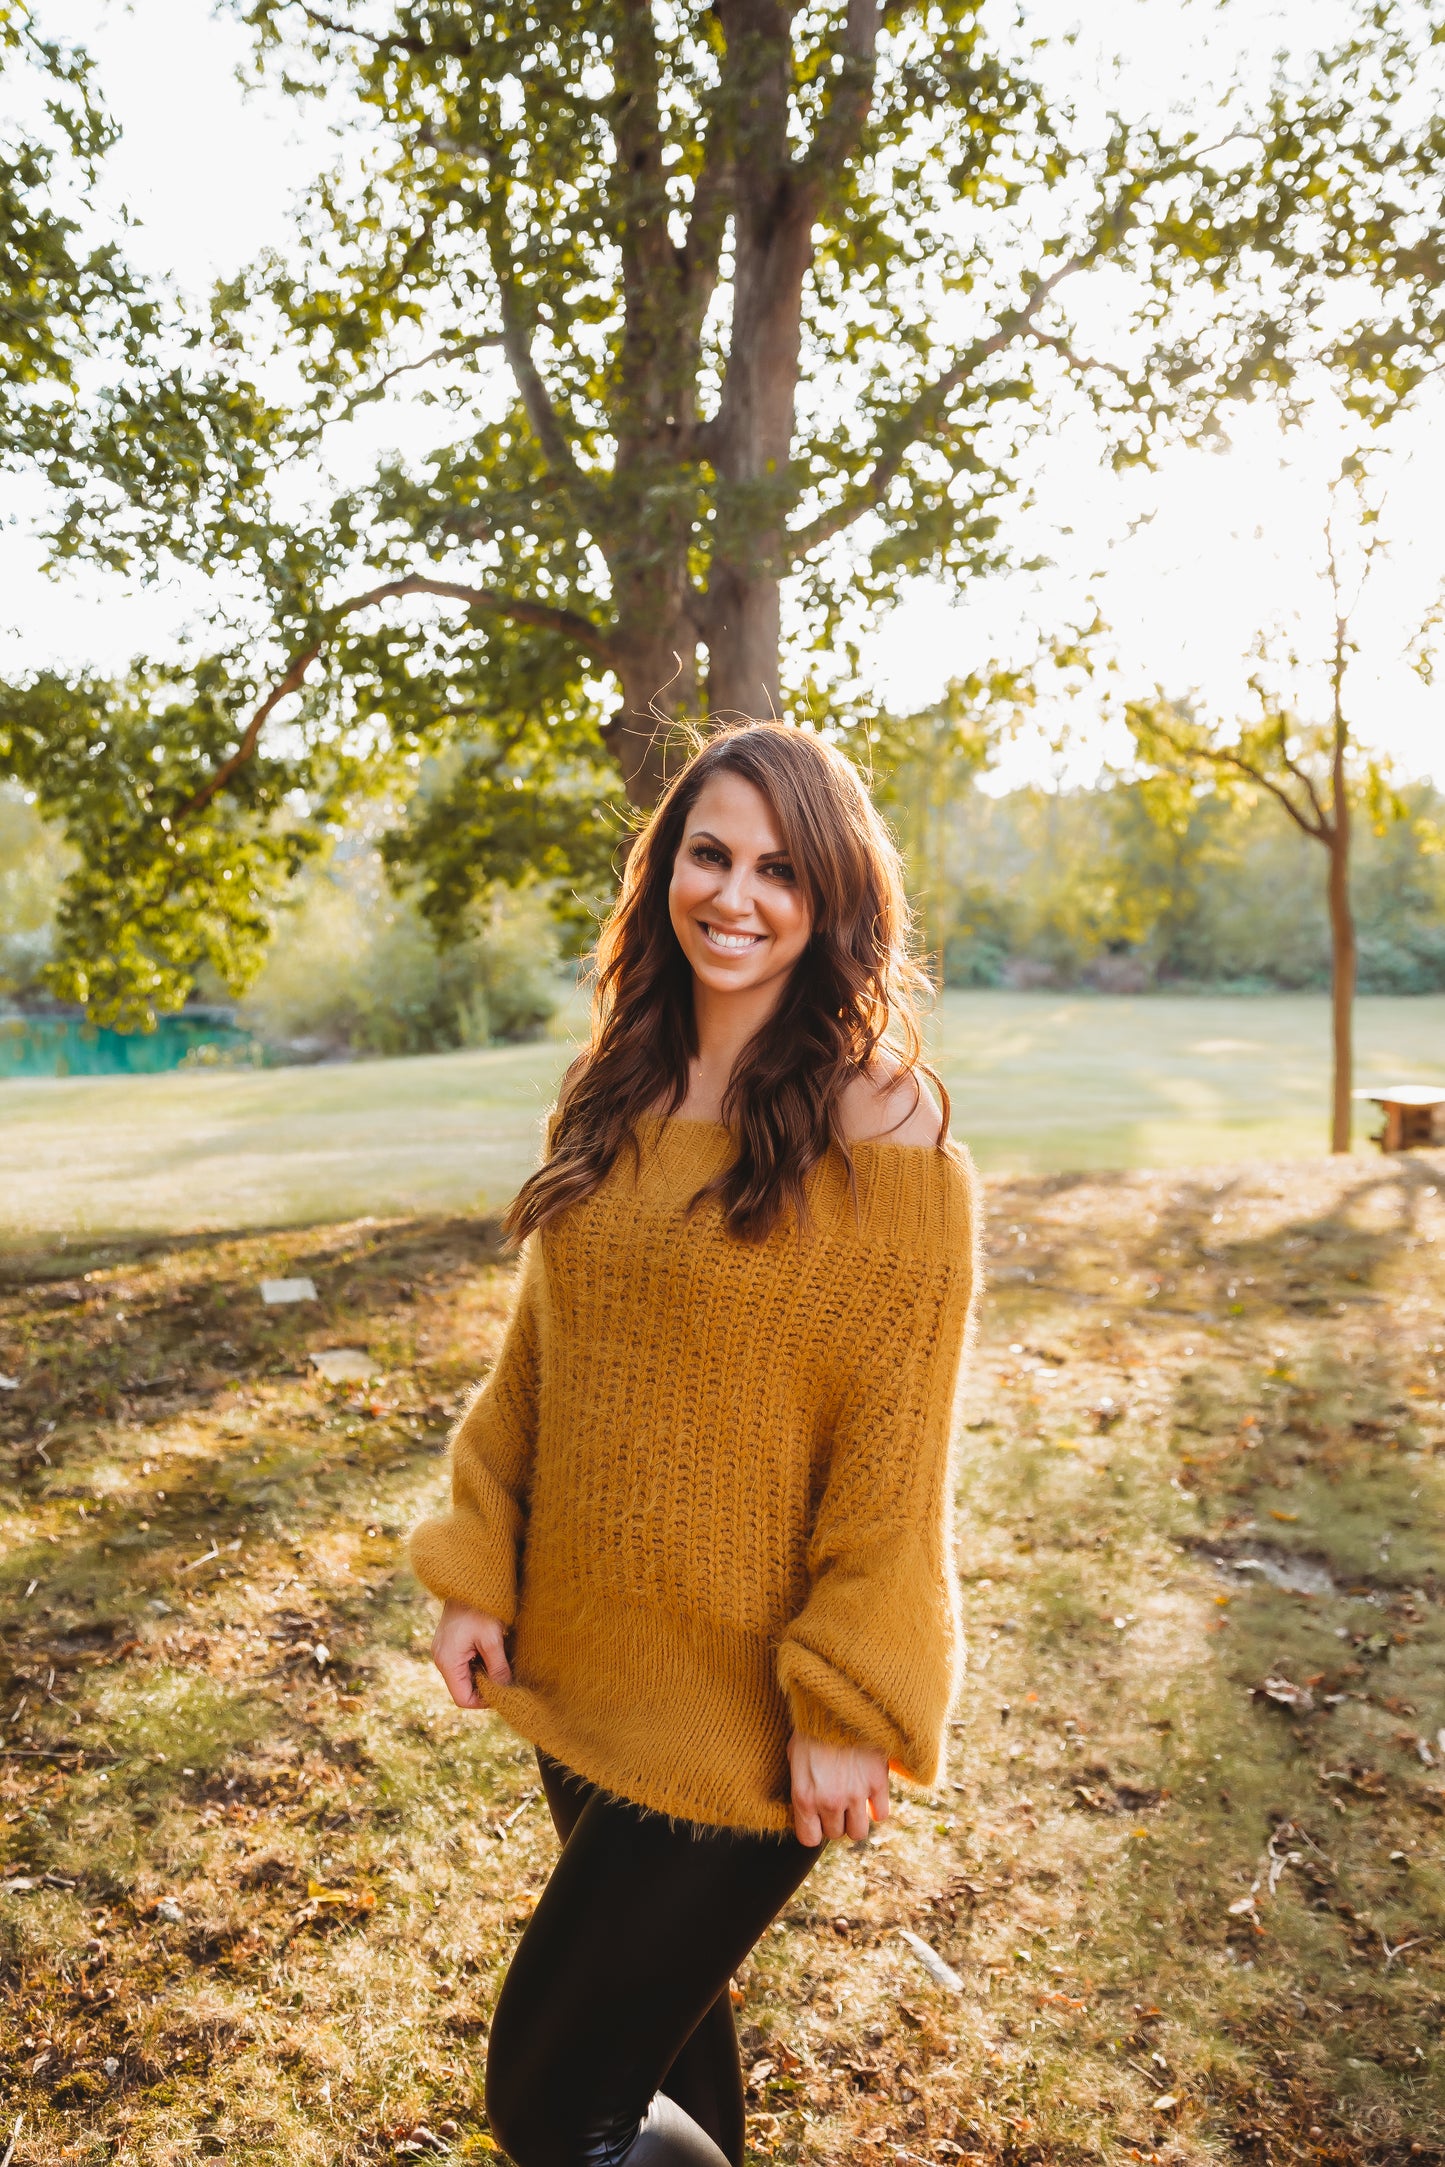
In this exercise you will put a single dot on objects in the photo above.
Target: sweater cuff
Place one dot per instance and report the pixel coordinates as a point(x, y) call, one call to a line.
point(824, 1704)
point(813, 1718)
point(462, 1560)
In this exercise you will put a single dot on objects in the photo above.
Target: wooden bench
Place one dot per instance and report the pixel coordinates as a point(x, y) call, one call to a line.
point(1414, 1115)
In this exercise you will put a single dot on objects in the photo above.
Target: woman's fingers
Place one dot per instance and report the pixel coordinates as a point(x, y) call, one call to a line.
point(806, 1826)
point(492, 1649)
point(463, 1638)
point(834, 1790)
point(455, 1664)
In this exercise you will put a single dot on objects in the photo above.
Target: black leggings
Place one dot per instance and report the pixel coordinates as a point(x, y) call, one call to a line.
point(613, 2036)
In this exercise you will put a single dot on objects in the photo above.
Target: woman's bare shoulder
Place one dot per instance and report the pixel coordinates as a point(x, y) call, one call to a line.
point(888, 1106)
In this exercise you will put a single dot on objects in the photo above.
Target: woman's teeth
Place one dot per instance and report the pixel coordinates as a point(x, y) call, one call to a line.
point(731, 940)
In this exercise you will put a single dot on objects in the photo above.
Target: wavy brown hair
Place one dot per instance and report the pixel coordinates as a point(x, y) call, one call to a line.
point(854, 988)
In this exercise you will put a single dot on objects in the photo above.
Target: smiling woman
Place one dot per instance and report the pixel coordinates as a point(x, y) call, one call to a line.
point(740, 917)
point(756, 973)
point(698, 1549)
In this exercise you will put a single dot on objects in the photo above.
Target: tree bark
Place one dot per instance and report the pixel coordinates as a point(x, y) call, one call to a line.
point(752, 436)
point(776, 198)
point(657, 675)
point(744, 643)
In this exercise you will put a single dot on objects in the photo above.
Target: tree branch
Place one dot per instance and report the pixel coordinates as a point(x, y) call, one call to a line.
point(292, 681)
point(920, 413)
point(1303, 775)
point(845, 114)
point(517, 346)
point(701, 252)
point(1082, 362)
point(382, 42)
point(569, 624)
point(454, 352)
point(1222, 756)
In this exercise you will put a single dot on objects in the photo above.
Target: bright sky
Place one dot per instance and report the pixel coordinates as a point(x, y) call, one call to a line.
point(1189, 565)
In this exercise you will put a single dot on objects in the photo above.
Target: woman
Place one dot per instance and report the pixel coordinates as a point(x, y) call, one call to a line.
point(698, 1553)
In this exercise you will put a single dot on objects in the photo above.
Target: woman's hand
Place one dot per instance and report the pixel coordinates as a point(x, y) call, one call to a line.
point(835, 1788)
point(461, 1636)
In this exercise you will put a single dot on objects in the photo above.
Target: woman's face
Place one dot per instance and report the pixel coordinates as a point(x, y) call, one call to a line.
point(737, 901)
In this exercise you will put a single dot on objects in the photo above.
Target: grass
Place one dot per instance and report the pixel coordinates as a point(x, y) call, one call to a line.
point(259, 1882)
point(1039, 1080)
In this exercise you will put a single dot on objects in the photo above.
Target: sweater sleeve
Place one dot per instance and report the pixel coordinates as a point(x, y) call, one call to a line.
point(871, 1657)
point(470, 1554)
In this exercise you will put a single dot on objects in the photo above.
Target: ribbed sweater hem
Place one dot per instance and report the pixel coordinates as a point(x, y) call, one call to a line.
point(655, 1790)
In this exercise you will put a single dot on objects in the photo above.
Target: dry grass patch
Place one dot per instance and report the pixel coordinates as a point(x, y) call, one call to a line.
point(258, 1883)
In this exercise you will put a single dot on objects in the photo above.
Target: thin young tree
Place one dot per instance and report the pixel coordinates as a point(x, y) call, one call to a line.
point(1315, 772)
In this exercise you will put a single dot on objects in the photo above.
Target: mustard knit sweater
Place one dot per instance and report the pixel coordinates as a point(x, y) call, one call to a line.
point(706, 1484)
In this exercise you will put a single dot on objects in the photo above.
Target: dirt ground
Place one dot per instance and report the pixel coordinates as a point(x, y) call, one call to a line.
point(258, 1881)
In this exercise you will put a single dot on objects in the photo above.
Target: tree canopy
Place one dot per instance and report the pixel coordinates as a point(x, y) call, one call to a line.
point(61, 299)
point(729, 319)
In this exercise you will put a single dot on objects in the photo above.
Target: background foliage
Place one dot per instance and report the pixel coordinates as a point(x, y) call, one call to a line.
point(558, 233)
point(1089, 886)
point(1107, 887)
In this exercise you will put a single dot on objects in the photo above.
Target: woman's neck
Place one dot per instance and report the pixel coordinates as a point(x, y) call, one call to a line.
point(724, 1022)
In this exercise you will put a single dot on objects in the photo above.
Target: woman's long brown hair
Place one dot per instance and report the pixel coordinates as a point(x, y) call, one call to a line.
point(853, 987)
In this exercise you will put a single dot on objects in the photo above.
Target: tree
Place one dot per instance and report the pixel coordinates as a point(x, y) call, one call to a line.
point(721, 301)
point(1314, 772)
point(60, 302)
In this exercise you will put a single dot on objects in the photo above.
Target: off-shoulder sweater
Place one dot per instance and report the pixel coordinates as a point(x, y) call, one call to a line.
point(706, 1484)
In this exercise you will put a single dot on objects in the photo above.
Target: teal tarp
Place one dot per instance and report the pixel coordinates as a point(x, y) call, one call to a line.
point(68, 1046)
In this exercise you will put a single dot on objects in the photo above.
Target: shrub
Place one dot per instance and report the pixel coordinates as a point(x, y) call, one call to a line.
point(352, 966)
point(980, 937)
point(32, 867)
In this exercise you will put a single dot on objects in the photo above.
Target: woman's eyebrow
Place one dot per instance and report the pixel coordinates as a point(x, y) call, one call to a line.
point(705, 835)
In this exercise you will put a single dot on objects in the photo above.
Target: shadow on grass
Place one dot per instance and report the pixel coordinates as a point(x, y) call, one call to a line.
point(1195, 1920)
point(1199, 1382)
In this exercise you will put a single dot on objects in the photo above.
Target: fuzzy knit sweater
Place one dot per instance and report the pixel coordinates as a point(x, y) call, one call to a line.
point(706, 1484)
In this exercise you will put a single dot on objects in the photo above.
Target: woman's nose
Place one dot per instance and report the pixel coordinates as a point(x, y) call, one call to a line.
point(735, 893)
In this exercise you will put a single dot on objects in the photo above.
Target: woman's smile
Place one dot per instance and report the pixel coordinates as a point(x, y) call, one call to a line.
point(720, 939)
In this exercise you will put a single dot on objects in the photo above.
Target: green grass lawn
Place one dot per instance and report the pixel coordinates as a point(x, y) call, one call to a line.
point(1039, 1081)
point(259, 1880)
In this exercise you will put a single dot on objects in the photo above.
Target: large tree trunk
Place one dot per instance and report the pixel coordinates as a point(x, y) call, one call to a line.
point(1342, 970)
point(744, 642)
point(754, 173)
point(657, 674)
point(752, 436)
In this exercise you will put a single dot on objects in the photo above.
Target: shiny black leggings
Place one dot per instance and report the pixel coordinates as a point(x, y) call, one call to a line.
point(613, 2036)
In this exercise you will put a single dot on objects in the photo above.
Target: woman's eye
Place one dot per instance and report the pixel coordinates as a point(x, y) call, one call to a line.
point(708, 854)
point(782, 872)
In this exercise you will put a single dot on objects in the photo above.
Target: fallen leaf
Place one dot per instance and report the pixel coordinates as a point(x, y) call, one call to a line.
point(1298, 1699)
point(1164, 2102)
point(1288, 1517)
